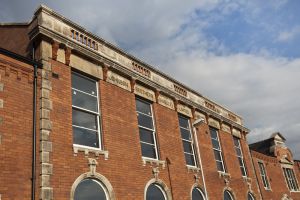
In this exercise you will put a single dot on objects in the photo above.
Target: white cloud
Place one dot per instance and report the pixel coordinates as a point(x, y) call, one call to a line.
point(285, 36)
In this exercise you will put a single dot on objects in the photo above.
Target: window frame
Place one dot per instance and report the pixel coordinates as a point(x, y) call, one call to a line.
point(218, 150)
point(230, 194)
point(241, 156)
point(97, 114)
point(264, 176)
point(159, 187)
point(191, 142)
point(251, 196)
point(153, 131)
point(200, 191)
point(99, 184)
point(291, 179)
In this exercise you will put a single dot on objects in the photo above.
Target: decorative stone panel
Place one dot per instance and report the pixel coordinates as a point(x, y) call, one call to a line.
point(199, 115)
point(236, 133)
point(226, 128)
point(166, 101)
point(118, 80)
point(144, 92)
point(185, 110)
point(214, 123)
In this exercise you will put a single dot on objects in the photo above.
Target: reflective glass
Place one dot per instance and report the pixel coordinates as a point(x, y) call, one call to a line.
point(185, 134)
point(84, 84)
point(146, 136)
point(145, 121)
point(220, 166)
point(85, 137)
point(89, 189)
point(84, 101)
point(148, 150)
point(217, 155)
point(84, 119)
point(189, 159)
point(215, 144)
point(154, 193)
point(197, 195)
point(227, 196)
point(183, 122)
point(187, 147)
point(250, 196)
point(236, 142)
point(143, 107)
point(213, 133)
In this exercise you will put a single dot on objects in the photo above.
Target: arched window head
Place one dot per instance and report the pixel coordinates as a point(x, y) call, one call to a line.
point(197, 194)
point(155, 192)
point(90, 189)
point(250, 196)
point(228, 195)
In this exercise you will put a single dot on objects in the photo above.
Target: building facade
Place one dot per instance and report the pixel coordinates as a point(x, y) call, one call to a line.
point(106, 125)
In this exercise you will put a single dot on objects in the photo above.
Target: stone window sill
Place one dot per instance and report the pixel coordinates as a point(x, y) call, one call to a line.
point(224, 174)
point(154, 162)
point(193, 169)
point(88, 150)
point(247, 179)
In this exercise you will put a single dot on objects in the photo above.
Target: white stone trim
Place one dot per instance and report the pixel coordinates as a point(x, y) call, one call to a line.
point(164, 187)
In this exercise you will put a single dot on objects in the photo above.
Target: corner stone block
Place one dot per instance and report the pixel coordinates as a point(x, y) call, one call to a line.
point(46, 103)
point(46, 193)
point(46, 65)
point(45, 180)
point(46, 146)
point(1, 87)
point(46, 84)
point(45, 124)
point(1, 103)
point(45, 94)
point(44, 114)
point(46, 169)
point(44, 157)
point(44, 135)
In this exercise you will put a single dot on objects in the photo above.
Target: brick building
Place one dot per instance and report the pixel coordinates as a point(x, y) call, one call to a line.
point(106, 125)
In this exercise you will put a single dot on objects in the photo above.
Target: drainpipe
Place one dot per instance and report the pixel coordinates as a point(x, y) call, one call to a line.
point(33, 178)
point(196, 123)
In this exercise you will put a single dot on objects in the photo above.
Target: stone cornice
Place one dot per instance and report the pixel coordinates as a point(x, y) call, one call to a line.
point(58, 28)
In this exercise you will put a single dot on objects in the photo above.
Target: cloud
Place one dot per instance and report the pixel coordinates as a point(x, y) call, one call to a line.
point(235, 65)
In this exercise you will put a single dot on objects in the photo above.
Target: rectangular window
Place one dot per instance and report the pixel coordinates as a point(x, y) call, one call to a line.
point(291, 179)
point(146, 129)
point(239, 153)
point(217, 149)
point(263, 175)
point(187, 140)
point(85, 111)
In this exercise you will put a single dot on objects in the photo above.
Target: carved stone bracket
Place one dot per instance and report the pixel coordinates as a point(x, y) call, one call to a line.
point(105, 71)
point(154, 163)
point(68, 52)
point(92, 165)
point(155, 172)
point(55, 47)
point(226, 177)
point(87, 151)
point(132, 84)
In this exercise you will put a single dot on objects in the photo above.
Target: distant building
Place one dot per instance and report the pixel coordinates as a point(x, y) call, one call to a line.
point(106, 125)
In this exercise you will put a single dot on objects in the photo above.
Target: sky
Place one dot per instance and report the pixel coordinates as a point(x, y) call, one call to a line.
point(243, 54)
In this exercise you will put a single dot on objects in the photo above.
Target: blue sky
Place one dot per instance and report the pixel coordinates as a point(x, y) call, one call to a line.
point(242, 54)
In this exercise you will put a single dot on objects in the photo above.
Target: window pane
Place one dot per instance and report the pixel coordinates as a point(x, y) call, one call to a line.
point(187, 147)
point(85, 137)
point(146, 136)
point(213, 133)
point(145, 121)
point(215, 144)
point(183, 122)
point(89, 189)
point(185, 134)
point(218, 155)
point(236, 142)
point(148, 150)
point(243, 170)
point(196, 195)
point(250, 196)
point(154, 193)
point(84, 101)
point(189, 159)
point(227, 196)
point(238, 151)
point(240, 161)
point(84, 84)
point(220, 166)
point(84, 119)
point(143, 107)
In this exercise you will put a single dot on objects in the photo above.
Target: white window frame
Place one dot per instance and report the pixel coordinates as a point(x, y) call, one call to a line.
point(218, 150)
point(91, 112)
point(159, 187)
point(264, 176)
point(290, 179)
point(191, 142)
point(228, 192)
point(200, 191)
point(241, 156)
point(153, 131)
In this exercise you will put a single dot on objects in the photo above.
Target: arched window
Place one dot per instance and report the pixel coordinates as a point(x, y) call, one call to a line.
point(155, 192)
point(197, 194)
point(90, 189)
point(250, 196)
point(228, 195)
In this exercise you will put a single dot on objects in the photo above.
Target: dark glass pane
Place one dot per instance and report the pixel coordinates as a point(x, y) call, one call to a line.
point(84, 119)
point(185, 134)
point(146, 136)
point(85, 101)
point(196, 195)
point(154, 193)
point(84, 84)
point(236, 142)
point(215, 144)
point(148, 150)
point(189, 159)
point(240, 161)
point(143, 107)
point(217, 155)
point(85, 137)
point(220, 166)
point(183, 122)
point(243, 171)
point(213, 133)
point(238, 151)
point(145, 121)
point(227, 196)
point(89, 189)
point(250, 197)
point(187, 147)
